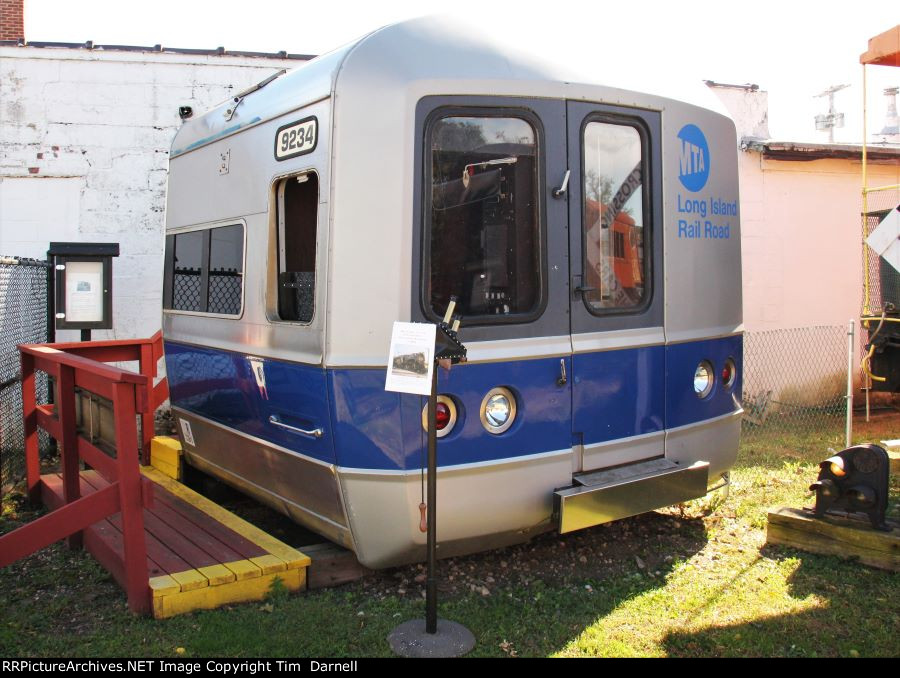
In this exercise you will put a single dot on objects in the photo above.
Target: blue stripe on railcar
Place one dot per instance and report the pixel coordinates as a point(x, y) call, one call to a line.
point(366, 434)
point(619, 394)
point(359, 419)
point(220, 385)
point(683, 407)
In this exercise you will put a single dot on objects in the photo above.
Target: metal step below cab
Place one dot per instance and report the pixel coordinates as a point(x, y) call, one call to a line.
point(602, 496)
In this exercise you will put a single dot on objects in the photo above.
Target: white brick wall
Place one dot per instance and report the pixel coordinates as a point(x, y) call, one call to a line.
point(93, 128)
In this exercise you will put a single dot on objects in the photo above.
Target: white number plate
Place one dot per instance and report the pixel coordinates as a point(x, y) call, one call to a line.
point(296, 139)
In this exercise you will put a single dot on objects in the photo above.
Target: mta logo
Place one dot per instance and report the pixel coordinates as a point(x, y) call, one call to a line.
point(693, 160)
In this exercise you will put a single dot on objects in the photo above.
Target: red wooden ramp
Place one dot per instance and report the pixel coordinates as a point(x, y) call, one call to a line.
point(199, 555)
point(171, 549)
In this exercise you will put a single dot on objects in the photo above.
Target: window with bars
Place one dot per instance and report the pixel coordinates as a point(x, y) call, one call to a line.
point(204, 270)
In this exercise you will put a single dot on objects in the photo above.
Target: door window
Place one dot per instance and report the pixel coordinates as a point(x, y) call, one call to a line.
point(613, 214)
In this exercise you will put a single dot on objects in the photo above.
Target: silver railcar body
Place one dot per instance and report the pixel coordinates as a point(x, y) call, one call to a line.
point(597, 308)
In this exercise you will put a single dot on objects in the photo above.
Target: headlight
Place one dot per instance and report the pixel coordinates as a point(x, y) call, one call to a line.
point(498, 410)
point(703, 379)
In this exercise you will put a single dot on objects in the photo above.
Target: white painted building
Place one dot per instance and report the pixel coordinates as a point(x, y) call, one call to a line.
point(85, 133)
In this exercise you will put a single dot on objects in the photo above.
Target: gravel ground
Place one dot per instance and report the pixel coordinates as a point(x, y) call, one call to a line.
point(647, 544)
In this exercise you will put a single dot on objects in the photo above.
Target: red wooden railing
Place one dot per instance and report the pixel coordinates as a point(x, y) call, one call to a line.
point(80, 365)
point(147, 353)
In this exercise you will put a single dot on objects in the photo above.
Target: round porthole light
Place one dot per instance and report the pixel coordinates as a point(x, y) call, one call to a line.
point(729, 372)
point(444, 415)
point(498, 410)
point(703, 379)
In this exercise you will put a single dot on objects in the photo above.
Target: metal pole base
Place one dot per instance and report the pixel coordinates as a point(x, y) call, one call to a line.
point(451, 640)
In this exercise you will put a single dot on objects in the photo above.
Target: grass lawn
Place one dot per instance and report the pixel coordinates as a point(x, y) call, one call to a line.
point(691, 581)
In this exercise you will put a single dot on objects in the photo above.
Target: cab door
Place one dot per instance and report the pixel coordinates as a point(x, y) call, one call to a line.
point(616, 284)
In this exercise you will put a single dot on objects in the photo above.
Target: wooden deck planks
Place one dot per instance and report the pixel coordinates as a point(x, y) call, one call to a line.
point(199, 555)
point(104, 535)
point(200, 537)
point(269, 544)
point(167, 560)
point(193, 537)
point(241, 546)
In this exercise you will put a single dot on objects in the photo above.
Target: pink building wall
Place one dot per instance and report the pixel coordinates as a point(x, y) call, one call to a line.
point(802, 256)
point(801, 239)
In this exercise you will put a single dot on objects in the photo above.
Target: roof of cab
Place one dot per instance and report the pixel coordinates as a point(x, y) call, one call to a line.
point(434, 48)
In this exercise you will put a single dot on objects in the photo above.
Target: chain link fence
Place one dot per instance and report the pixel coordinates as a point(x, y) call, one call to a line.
point(23, 320)
point(882, 281)
point(795, 380)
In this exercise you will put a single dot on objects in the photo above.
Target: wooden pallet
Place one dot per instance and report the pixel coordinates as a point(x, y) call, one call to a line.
point(847, 537)
point(332, 565)
point(199, 555)
point(893, 450)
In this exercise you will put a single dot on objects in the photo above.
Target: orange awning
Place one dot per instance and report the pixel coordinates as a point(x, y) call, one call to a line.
point(884, 49)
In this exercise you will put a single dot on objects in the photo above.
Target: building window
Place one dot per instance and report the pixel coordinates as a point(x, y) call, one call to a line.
point(298, 204)
point(204, 270)
point(614, 217)
point(483, 243)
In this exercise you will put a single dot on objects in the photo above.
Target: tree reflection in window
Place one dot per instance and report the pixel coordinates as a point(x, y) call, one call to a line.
point(613, 217)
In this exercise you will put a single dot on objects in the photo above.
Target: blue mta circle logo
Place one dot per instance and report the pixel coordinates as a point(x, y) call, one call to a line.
point(693, 159)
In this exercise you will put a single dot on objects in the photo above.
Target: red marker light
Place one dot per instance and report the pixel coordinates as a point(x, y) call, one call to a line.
point(442, 416)
point(729, 371)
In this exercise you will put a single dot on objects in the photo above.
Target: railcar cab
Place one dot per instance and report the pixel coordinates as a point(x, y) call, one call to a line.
point(601, 313)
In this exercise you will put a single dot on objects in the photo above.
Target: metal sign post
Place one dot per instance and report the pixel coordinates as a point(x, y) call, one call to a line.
point(433, 637)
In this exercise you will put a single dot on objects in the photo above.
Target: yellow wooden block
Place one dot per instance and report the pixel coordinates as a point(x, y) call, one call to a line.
point(292, 557)
point(269, 564)
point(170, 470)
point(217, 574)
point(226, 594)
point(243, 569)
point(267, 542)
point(163, 585)
point(156, 458)
point(190, 580)
point(166, 449)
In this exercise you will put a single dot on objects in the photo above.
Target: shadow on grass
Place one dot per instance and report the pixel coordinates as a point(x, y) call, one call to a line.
point(60, 603)
point(540, 617)
point(856, 615)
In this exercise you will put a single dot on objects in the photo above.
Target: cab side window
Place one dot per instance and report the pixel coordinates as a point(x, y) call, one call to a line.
point(297, 203)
